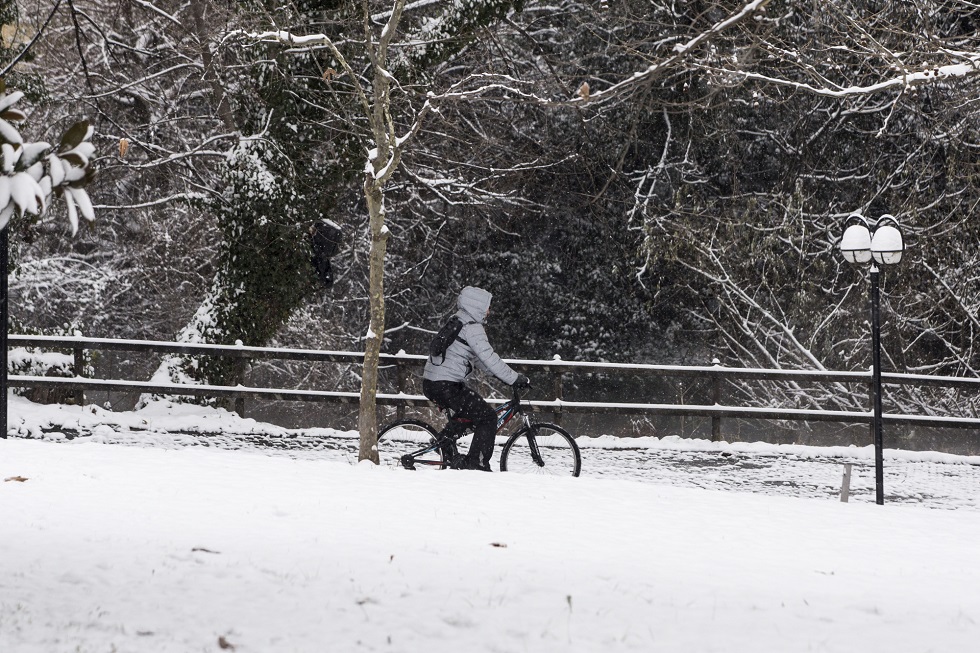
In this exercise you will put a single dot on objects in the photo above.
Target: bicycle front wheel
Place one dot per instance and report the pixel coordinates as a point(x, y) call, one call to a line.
point(541, 449)
point(410, 438)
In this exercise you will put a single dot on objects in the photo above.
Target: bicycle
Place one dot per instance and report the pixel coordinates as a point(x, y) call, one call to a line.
point(535, 448)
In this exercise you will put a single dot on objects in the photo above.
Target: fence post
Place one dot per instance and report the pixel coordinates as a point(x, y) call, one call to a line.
point(79, 363)
point(241, 366)
point(402, 377)
point(845, 486)
point(716, 400)
point(556, 380)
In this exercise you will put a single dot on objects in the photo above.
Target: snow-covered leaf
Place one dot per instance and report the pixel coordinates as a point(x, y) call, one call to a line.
point(72, 173)
point(5, 214)
point(24, 193)
point(74, 136)
point(10, 157)
point(8, 133)
point(36, 171)
point(4, 191)
point(56, 169)
point(33, 152)
point(72, 211)
point(84, 203)
point(10, 100)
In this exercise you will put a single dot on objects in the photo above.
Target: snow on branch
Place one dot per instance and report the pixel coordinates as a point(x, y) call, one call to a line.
point(903, 81)
point(679, 52)
point(487, 85)
point(308, 41)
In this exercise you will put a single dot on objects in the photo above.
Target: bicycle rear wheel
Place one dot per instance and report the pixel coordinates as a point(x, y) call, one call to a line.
point(541, 449)
point(410, 437)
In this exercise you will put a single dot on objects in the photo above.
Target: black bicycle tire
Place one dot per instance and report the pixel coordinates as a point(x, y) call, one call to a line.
point(573, 446)
point(432, 431)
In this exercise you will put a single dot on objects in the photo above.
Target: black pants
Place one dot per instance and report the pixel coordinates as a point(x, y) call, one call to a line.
point(466, 402)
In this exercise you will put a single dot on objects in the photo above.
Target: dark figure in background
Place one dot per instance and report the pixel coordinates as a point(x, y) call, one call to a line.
point(325, 236)
point(445, 382)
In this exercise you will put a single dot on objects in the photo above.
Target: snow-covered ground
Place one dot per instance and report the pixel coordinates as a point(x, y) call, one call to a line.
point(270, 540)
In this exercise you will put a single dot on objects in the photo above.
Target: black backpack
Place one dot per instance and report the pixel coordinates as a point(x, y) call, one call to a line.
point(444, 337)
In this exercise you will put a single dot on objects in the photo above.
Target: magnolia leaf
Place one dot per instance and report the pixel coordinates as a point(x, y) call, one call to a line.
point(24, 192)
point(10, 157)
point(73, 174)
point(75, 159)
point(36, 171)
point(4, 191)
point(33, 153)
point(8, 101)
point(84, 203)
point(72, 211)
point(14, 115)
point(56, 170)
point(74, 136)
point(8, 134)
point(5, 214)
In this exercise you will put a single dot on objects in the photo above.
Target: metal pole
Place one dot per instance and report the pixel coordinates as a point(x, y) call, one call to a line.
point(3, 325)
point(876, 383)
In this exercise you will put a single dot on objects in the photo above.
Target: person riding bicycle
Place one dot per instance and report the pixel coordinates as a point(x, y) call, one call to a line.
point(445, 382)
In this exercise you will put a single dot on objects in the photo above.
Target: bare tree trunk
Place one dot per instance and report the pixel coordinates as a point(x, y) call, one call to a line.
point(368, 416)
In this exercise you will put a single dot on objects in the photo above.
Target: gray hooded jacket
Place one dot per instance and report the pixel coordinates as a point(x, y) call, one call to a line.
point(458, 364)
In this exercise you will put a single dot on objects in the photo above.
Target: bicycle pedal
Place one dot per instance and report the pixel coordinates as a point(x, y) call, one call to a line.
point(408, 462)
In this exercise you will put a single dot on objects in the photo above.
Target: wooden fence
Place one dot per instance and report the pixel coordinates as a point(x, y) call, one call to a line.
point(714, 375)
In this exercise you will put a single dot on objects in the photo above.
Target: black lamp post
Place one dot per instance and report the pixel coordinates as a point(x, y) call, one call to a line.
point(881, 245)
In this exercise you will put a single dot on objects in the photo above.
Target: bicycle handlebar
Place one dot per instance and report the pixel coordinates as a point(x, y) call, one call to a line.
point(518, 393)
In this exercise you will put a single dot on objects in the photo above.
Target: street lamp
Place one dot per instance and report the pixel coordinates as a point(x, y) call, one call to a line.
point(881, 245)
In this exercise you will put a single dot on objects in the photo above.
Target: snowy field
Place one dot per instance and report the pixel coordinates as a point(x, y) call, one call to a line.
point(133, 537)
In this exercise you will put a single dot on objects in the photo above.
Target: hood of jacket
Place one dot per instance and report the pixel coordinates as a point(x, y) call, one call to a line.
point(474, 302)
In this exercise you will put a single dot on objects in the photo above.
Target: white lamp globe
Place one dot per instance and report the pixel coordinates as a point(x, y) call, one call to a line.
point(855, 244)
point(887, 244)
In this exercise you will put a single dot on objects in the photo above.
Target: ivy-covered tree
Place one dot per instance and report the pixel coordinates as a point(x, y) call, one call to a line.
point(389, 121)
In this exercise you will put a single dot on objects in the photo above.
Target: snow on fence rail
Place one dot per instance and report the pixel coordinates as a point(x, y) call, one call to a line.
point(715, 374)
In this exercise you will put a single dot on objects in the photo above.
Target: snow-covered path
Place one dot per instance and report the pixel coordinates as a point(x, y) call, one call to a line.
point(929, 479)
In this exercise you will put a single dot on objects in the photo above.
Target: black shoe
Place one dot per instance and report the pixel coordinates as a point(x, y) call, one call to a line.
point(465, 462)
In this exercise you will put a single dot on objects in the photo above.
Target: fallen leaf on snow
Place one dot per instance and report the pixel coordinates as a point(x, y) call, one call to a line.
point(499, 545)
point(19, 479)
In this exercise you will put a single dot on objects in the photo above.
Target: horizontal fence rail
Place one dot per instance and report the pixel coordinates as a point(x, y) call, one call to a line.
point(715, 374)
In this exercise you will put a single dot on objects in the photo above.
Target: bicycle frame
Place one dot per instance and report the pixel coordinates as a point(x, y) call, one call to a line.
point(455, 429)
